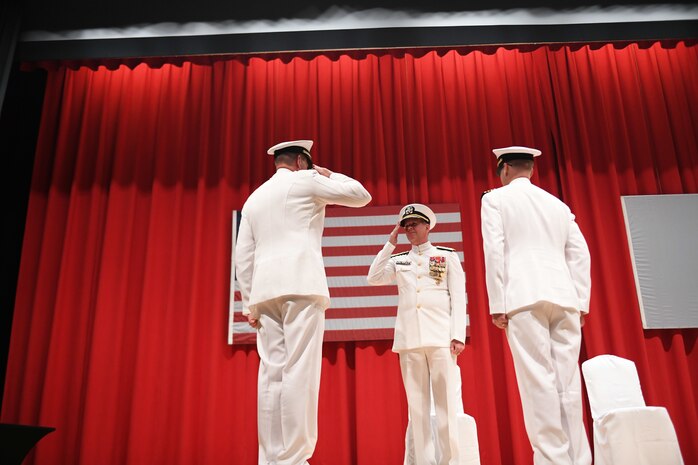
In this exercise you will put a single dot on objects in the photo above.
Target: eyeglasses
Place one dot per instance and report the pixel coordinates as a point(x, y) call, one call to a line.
point(413, 224)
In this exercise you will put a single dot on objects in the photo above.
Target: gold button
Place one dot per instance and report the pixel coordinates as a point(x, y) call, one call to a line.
point(417, 291)
point(419, 277)
point(419, 306)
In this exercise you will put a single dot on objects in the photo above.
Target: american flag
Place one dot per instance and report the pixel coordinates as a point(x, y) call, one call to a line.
point(351, 239)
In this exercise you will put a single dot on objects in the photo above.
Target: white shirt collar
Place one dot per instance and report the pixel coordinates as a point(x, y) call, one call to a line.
point(520, 180)
point(421, 247)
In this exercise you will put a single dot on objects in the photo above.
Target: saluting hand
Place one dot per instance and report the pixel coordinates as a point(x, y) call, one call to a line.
point(322, 171)
point(254, 322)
point(393, 235)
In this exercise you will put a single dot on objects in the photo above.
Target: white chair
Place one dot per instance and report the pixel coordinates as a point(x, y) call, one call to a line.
point(626, 432)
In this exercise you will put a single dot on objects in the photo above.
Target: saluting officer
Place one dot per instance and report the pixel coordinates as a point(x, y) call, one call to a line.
point(279, 267)
point(429, 329)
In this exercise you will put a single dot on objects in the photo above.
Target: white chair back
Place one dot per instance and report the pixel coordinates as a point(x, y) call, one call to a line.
point(612, 383)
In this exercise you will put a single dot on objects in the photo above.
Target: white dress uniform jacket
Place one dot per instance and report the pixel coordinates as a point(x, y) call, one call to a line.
point(279, 245)
point(429, 313)
point(531, 235)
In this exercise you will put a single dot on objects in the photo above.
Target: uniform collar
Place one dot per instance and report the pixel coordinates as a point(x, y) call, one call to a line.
point(422, 247)
point(520, 180)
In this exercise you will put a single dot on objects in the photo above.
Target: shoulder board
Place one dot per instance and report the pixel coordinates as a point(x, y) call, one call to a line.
point(486, 192)
point(399, 254)
point(445, 248)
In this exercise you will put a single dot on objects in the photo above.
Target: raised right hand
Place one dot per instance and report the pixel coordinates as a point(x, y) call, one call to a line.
point(322, 171)
point(393, 235)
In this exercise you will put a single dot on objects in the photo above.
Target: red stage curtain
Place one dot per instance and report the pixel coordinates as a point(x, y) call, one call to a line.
point(119, 336)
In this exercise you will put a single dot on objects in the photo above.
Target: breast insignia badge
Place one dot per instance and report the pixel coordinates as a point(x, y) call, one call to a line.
point(437, 268)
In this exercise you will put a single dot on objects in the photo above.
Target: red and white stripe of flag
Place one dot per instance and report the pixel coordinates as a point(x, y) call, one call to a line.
point(351, 239)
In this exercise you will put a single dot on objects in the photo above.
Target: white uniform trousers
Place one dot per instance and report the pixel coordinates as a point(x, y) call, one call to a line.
point(289, 342)
point(420, 368)
point(409, 445)
point(545, 340)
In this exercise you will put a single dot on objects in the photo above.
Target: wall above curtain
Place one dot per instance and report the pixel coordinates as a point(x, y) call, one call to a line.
point(45, 15)
point(125, 29)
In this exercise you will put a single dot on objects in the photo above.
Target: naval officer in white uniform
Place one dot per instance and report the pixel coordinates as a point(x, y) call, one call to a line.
point(279, 267)
point(429, 329)
point(538, 283)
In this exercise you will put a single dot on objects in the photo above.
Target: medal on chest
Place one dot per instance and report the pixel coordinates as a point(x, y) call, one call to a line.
point(437, 268)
